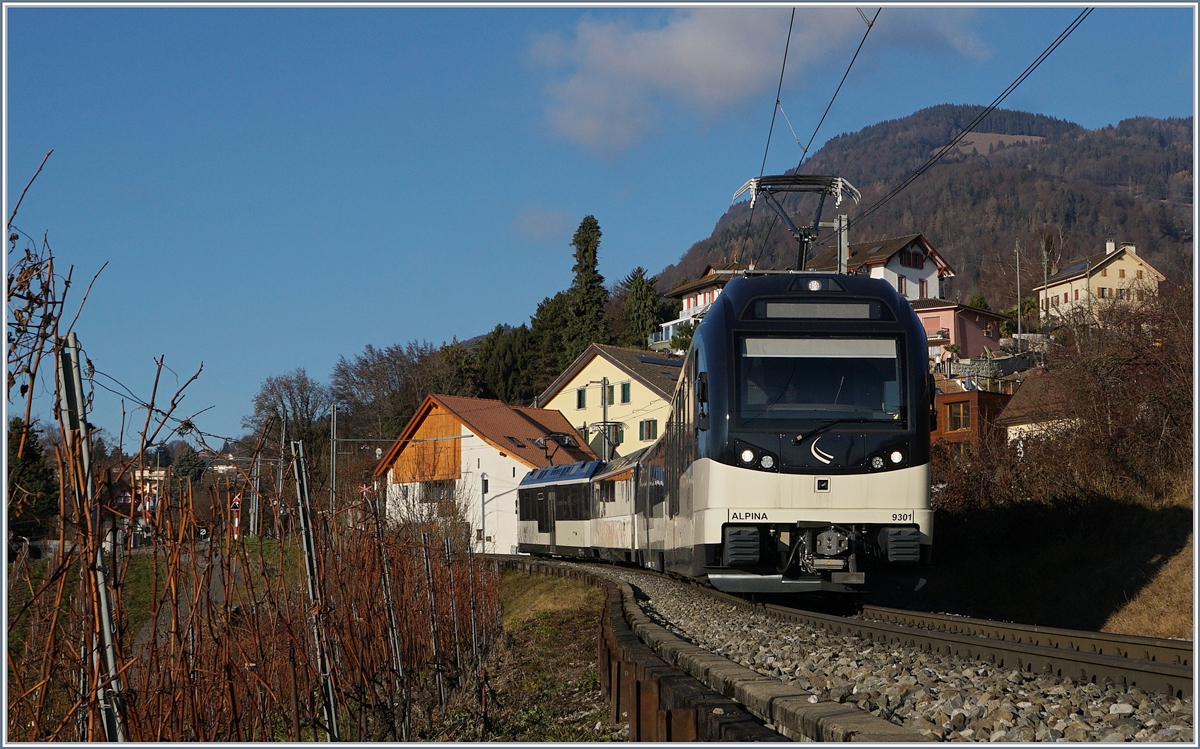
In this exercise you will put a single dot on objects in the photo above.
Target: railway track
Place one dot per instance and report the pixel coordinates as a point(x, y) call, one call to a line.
point(1081, 686)
point(1132, 647)
point(1151, 664)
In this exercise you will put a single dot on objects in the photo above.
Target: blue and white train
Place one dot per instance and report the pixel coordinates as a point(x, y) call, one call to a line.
point(795, 459)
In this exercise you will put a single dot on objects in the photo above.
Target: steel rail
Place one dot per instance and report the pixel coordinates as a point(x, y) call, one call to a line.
point(1036, 650)
point(1061, 660)
point(1161, 650)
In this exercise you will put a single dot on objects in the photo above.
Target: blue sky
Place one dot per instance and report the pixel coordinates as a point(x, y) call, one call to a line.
point(273, 188)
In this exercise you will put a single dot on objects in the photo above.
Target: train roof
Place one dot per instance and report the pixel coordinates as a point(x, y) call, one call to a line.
point(568, 473)
point(621, 464)
point(751, 284)
point(794, 281)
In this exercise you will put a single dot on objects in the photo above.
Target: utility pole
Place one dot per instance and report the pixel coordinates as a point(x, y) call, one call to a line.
point(71, 401)
point(841, 225)
point(843, 231)
point(604, 425)
point(483, 478)
point(255, 469)
point(1045, 282)
point(332, 458)
point(1020, 342)
point(604, 417)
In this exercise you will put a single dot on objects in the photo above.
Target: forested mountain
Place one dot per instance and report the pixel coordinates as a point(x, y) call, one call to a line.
point(1017, 176)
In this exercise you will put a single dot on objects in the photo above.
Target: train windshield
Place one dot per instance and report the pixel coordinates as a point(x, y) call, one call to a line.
point(787, 380)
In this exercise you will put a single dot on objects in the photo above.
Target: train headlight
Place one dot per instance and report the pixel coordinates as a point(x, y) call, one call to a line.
point(896, 457)
point(747, 456)
point(877, 462)
point(767, 462)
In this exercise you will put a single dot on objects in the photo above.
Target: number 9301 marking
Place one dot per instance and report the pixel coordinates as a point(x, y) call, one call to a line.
point(900, 517)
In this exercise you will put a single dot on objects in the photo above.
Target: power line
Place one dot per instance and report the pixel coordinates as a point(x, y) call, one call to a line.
point(779, 107)
point(770, 130)
point(1062, 37)
point(778, 92)
point(870, 25)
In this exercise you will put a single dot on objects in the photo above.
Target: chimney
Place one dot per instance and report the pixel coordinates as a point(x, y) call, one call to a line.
point(1129, 247)
point(1110, 247)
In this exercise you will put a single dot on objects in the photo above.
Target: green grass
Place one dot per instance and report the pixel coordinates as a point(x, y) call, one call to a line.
point(138, 592)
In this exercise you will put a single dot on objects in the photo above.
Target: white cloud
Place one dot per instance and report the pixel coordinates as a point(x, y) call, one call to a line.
point(544, 225)
point(939, 29)
point(613, 78)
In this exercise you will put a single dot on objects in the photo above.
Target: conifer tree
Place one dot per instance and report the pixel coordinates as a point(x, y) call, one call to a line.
point(586, 322)
point(32, 483)
point(188, 465)
point(547, 333)
point(640, 309)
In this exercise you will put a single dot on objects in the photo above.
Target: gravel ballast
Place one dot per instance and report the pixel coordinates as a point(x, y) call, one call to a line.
point(937, 695)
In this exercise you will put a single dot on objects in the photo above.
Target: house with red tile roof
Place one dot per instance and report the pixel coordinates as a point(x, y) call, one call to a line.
point(695, 297)
point(914, 268)
point(453, 447)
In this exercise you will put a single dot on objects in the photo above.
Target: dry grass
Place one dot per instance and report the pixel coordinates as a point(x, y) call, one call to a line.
point(526, 598)
point(541, 674)
point(1163, 608)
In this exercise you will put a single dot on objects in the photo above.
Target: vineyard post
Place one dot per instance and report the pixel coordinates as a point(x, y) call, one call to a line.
point(453, 610)
point(437, 658)
point(393, 626)
point(471, 578)
point(73, 405)
point(314, 591)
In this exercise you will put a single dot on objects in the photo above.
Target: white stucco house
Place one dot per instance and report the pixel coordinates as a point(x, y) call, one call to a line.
point(910, 264)
point(435, 469)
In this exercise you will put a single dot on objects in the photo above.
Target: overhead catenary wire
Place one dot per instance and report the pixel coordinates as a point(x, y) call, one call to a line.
point(779, 107)
point(1062, 37)
point(770, 130)
point(870, 25)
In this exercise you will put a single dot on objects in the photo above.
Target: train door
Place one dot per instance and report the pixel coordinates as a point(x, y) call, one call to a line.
point(545, 517)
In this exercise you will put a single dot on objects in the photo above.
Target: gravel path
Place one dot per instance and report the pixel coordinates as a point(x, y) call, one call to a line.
point(938, 695)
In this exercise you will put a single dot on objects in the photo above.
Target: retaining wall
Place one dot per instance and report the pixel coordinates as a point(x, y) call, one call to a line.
point(670, 690)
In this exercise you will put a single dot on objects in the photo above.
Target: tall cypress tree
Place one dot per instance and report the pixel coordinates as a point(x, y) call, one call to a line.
point(587, 322)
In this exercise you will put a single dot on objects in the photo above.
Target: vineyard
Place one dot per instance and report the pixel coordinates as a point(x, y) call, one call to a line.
point(145, 611)
point(223, 640)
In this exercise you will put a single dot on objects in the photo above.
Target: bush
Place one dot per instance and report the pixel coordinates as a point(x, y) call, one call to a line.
point(1122, 424)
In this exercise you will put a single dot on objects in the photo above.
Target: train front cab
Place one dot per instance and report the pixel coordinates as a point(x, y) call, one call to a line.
point(800, 439)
